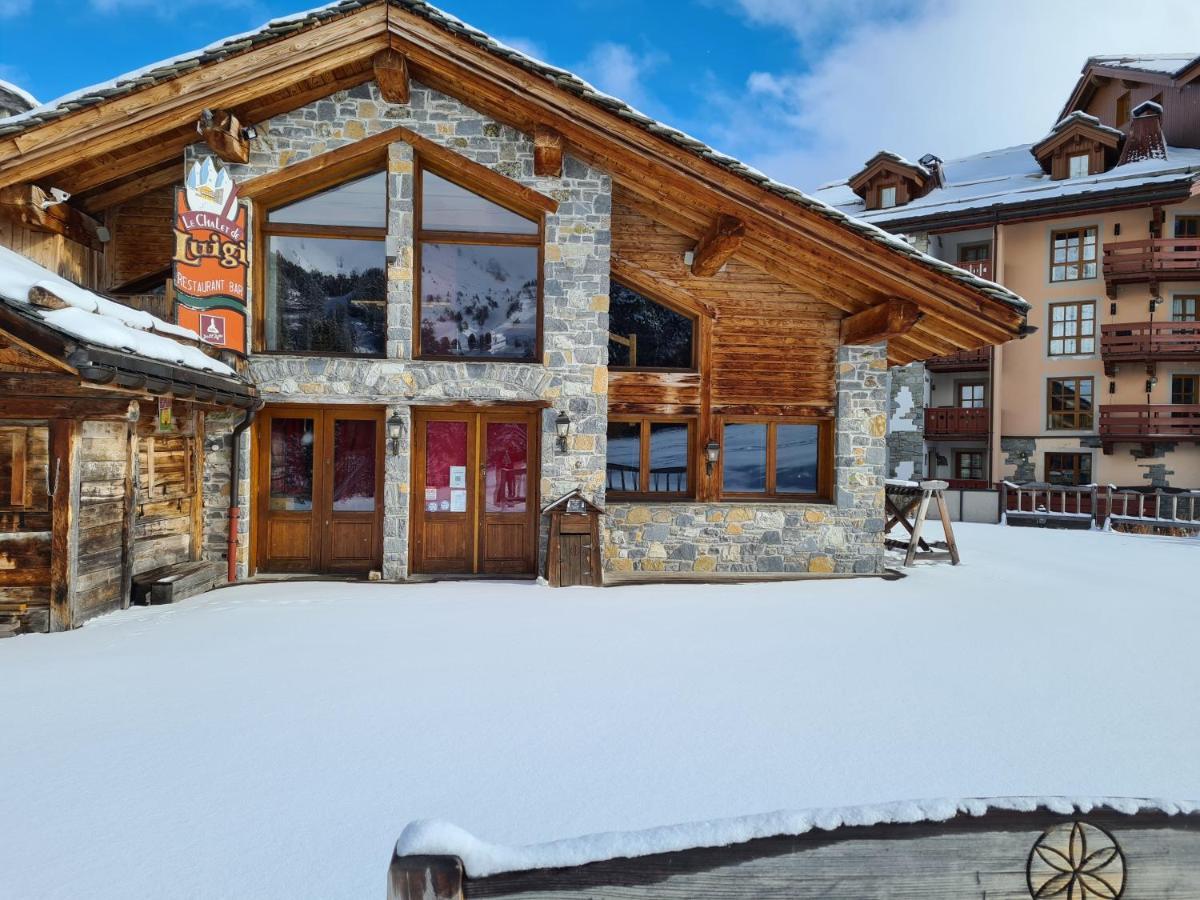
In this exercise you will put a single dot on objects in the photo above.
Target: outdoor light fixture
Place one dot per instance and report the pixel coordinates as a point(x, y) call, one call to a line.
point(562, 425)
point(1150, 383)
point(712, 452)
point(249, 133)
point(395, 431)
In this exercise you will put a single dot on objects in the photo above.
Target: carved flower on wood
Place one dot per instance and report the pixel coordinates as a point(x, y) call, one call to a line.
point(1076, 861)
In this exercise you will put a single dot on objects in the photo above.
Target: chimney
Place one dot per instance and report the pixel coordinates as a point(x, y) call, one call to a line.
point(934, 164)
point(1145, 137)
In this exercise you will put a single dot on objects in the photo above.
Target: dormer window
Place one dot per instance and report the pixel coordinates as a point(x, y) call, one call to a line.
point(1078, 146)
point(888, 181)
point(887, 197)
point(1078, 165)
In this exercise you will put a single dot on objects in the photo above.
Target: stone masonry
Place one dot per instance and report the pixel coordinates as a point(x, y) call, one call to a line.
point(739, 538)
point(906, 421)
point(573, 374)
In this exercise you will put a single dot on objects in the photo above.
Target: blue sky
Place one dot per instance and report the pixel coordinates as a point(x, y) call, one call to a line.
point(804, 89)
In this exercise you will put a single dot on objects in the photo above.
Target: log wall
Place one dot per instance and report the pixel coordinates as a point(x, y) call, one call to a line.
point(168, 493)
point(104, 474)
point(24, 527)
point(142, 238)
point(58, 254)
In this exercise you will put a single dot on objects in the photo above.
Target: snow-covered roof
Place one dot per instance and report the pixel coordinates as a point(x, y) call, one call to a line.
point(1079, 117)
point(20, 93)
point(481, 858)
point(1011, 177)
point(96, 320)
point(1160, 63)
point(563, 79)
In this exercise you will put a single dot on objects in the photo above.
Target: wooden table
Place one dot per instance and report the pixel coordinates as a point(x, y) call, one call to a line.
point(900, 499)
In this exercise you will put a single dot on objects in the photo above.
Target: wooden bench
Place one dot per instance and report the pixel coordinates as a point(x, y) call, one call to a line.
point(170, 584)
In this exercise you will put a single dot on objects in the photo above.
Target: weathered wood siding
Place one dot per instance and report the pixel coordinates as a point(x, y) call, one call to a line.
point(55, 252)
point(769, 344)
point(142, 238)
point(24, 527)
point(103, 474)
point(168, 495)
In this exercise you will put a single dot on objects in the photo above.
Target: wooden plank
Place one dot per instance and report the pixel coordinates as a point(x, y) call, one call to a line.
point(548, 146)
point(64, 552)
point(221, 130)
point(391, 74)
point(129, 513)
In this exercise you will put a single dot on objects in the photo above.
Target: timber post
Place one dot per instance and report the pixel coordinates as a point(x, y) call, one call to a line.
point(425, 878)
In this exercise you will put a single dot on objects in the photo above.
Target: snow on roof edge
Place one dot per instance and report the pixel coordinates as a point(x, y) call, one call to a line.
point(481, 859)
point(560, 77)
point(20, 92)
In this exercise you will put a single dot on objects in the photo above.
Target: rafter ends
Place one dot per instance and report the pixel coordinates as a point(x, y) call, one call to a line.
point(222, 131)
point(391, 74)
point(889, 319)
point(547, 152)
point(719, 243)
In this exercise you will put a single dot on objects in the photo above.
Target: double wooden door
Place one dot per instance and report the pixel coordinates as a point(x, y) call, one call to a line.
point(320, 489)
point(475, 476)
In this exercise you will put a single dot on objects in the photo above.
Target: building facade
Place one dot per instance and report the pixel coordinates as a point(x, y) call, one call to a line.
point(477, 285)
point(1098, 225)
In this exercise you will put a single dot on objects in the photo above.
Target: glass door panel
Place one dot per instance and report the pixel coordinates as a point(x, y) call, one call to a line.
point(354, 465)
point(506, 466)
point(446, 467)
point(292, 464)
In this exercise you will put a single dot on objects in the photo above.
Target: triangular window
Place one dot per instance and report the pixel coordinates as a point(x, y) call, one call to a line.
point(645, 334)
point(446, 206)
point(361, 203)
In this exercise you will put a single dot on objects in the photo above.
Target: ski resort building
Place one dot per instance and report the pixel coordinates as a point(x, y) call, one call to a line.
point(1097, 223)
point(475, 284)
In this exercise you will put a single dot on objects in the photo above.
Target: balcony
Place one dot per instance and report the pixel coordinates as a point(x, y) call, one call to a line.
point(962, 361)
point(980, 267)
point(1150, 341)
point(957, 422)
point(1151, 260)
point(1149, 423)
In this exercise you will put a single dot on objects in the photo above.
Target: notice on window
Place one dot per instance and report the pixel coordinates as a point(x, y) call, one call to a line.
point(458, 477)
point(431, 494)
point(458, 500)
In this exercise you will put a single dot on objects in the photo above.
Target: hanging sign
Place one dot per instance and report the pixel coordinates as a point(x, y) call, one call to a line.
point(211, 257)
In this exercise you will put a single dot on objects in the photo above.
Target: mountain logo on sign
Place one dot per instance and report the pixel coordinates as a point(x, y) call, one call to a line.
point(210, 189)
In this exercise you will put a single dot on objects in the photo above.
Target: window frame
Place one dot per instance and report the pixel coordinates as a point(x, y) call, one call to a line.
point(959, 455)
point(643, 493)
point(477, 239)
point(1078, 413)
point(825, 462)
point(1087, 165)
point(883, 189)
point(1178, 380)
point(1180, 304)
point(1082, 232)
point(1076, 467)
point(654, 297)
point(970, 383)
point(264, 230)
point(1078, 305)
point(1193, 223)
point(964, 250)
point(1124, 106)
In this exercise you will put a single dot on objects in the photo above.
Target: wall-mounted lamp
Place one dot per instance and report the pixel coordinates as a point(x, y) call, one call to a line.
point(712, 453)
point(395, 432)
point(1150, 383)
point(562, 427)
point(249, 133)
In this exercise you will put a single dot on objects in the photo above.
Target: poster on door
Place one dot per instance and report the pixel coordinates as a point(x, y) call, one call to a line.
point(211, 259)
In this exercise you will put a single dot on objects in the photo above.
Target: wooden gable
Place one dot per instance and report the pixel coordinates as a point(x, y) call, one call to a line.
point(886, 170)
point(1074, 138)
point(110, 151)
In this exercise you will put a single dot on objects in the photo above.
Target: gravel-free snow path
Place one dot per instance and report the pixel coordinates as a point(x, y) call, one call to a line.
point(274, 740)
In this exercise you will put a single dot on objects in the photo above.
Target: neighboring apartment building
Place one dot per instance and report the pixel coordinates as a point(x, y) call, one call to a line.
point(1097, 224)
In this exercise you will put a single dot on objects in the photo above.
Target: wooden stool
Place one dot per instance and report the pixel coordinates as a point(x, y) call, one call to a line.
point(900, 500)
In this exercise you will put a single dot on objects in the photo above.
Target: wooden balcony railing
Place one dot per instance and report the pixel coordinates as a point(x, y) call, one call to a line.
point(1080, 507)
point(968, 484)
point(1149, 422)
point(954, 421)
point(1145, 341)
point(962, 361)
point(1152, 259)
point(980, 267)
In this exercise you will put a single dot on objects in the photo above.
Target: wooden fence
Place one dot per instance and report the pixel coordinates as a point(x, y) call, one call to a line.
point(1080, 507)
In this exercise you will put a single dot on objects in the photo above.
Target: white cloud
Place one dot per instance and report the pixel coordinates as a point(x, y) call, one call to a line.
point(12, 8)
point(951, 78)
point(616, 69)
point(171, 10)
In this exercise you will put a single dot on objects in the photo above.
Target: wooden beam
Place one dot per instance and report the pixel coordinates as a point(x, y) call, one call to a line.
point(391, 74)
point(886, 320)
point(222, 131)
point(135, 187)
point(547, 152)
point(719, 243)
point(64, 519)
point(32, 207)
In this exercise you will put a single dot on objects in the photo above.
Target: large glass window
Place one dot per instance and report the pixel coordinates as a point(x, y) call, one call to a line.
point(1069, 404)
point(1069, 469)
point(649, 457)
point(645, 334)
point(480, 276)
point(1073, 254)
point(1072, 328)
point(326, 283)
point(785, 460)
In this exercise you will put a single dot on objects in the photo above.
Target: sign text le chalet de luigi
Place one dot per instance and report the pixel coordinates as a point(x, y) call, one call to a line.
point(211, 257)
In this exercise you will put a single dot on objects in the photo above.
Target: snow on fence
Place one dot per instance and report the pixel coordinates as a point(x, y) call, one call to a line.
point(1021, 847)
point(1079, 507)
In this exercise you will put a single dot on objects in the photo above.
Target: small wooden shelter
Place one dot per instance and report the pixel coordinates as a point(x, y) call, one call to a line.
point(574, 548)
point(101, 447)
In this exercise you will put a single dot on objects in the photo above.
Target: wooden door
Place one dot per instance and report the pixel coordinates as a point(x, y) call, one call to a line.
point(320, 489)
point(474, 505)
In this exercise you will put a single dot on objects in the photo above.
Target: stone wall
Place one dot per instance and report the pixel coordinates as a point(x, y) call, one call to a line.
point(573, 374)
point(739, 538)
point(218, 453)
point(906, 421)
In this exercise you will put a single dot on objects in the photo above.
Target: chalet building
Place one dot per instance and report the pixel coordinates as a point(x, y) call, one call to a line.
point(1097, 223)
point(476, 285)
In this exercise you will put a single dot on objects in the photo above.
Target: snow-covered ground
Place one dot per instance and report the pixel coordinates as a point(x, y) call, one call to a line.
point(274, 740)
